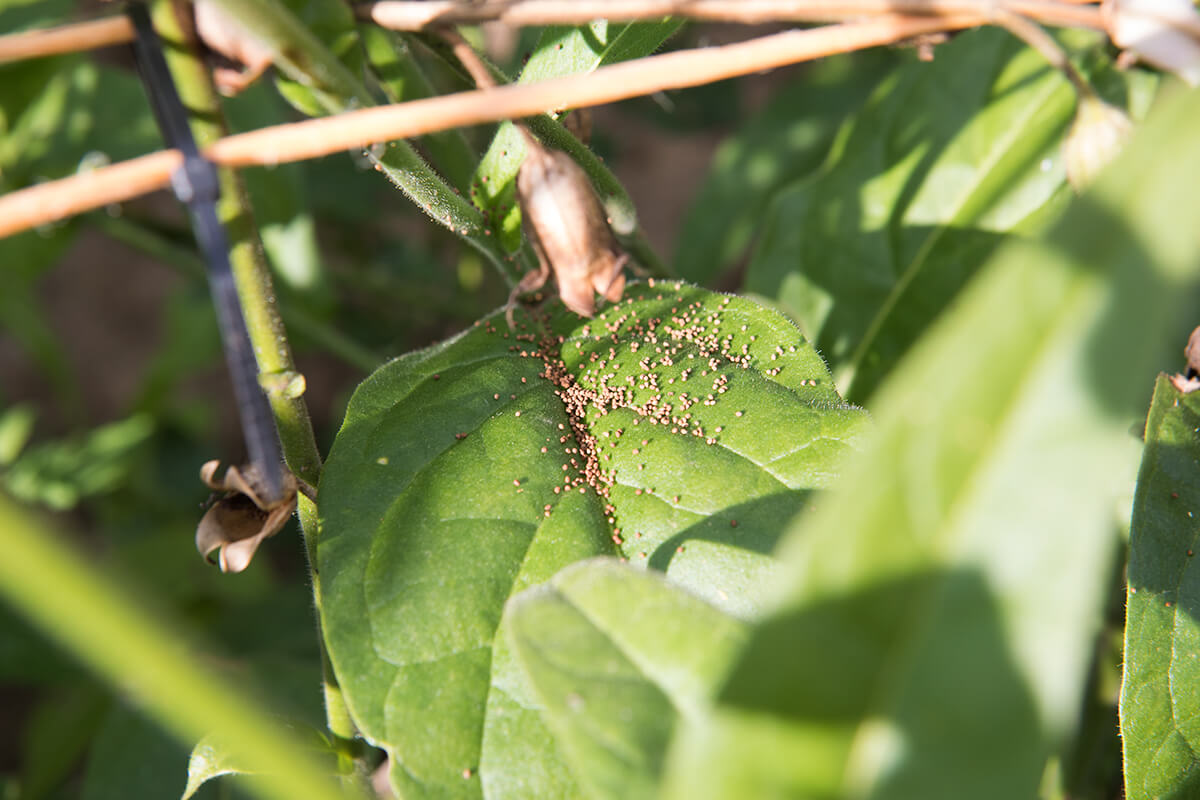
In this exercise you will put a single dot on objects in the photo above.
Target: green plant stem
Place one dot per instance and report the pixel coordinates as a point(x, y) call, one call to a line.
point(144, 658)
point(303, 58)
point(617, 203)
point(249, 266)
point(164, 249)
point(257, 296)
point(402, 79)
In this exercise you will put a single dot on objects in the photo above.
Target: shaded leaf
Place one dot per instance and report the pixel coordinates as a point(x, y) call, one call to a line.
point(614, 656)
point(938, 621)
point(459, 478)
point(57, 736)
point(131, 757)
point(1160, 698)
point(59, 473)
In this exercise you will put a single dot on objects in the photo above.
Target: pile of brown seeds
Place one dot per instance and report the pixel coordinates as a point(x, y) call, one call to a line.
point(685, 346)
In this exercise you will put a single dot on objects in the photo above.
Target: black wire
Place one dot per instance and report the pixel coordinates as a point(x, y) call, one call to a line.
point(196, 185)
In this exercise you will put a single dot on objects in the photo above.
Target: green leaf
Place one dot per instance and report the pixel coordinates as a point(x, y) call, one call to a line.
point(131, 758)
point(58, 474)
point(82, 113)
point(942, 603)
point(402, 79)
point(18, 15)
point(212, 756)
point(16, 426)
point(561, 51)
point(1160, 698)
point(435, 497)
point(615, 656)
point(332, 24)
point(783, 142)
point(921, 186)
point(58, 734)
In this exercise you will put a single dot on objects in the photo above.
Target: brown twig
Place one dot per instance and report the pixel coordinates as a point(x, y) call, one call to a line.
point(420, 14)
point(52, 201)
point(66, 39)
point(1043, 43)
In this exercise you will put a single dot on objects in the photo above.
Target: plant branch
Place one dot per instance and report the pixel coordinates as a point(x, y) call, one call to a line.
point(305, 59)
point(318, 331)
point(257, 298)
point(54, 200)
point(419, 14)
point(72, 38)
point(250, 270)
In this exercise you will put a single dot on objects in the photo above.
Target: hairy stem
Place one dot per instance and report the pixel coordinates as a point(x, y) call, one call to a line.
point(303, 58)
point(257, 297)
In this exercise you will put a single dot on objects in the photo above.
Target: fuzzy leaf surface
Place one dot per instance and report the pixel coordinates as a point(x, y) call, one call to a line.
point(1160, 698)
point(458, 479)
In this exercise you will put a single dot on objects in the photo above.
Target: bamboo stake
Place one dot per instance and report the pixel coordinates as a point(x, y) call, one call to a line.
point(419, 14)
point(72, 38)
point(55, 200)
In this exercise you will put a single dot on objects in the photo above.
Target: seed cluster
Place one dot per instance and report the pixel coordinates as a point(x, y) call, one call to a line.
point(664, 368)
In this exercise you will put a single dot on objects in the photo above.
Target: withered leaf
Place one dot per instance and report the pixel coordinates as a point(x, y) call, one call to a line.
point(223, 35)
point(569, 230)
point(238, 523)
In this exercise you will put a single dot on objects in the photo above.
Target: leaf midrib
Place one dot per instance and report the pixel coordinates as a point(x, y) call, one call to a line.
point(850, 371)
point(887, 692)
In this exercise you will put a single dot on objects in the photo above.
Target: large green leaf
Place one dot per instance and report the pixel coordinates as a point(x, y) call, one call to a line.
point(1160, 698)
point(458, 479)
point(945, 159)
point(614, 657)
point(942, 602)
point(561, 51)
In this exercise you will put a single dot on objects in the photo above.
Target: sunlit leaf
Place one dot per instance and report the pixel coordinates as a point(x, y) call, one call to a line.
point(485, 464)
point(943, 162)
point(614, 656)
point(783, 142)
point(939, 615)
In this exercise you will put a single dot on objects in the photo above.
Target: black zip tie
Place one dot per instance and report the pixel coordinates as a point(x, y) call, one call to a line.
point(197, 186)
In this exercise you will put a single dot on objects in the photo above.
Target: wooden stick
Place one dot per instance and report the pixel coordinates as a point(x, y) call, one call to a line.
point(66, 39)
point(419, 14)
point(48, 202)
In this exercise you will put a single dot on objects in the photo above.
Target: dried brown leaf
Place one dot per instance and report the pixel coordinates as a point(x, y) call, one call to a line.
point(240, 521)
